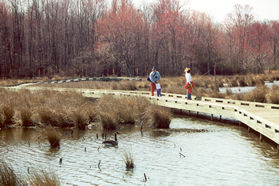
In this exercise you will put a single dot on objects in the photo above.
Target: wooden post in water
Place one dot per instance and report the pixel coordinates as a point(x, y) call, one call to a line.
point(220, 117)
point(249, 129)
point(261, 137)
point(211, 117)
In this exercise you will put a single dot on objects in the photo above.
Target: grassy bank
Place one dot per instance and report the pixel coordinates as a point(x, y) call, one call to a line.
point(70, 109)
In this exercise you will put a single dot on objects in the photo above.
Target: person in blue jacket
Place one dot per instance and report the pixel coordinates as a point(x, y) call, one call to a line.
point(154, 78)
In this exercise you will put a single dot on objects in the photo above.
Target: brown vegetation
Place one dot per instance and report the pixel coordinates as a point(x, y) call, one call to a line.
point(129, 161)
point(26, 119)
point(116, 111)
point(53, 137)
point(8, 112)
point(8, 177)
point(158, 117)
point(259, 94)
point(274, 95)
point(44, 179)
point(59, 109)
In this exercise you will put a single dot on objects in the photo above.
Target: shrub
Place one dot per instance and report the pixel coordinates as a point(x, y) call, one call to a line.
point(242, 82)
point(80, 120)
point(57, 119)
point(1, 120)
point(258, 94)
point(108, 121)
point(9, 113)
point(46, 117)
point(158, 117)
point(25, 115)
point(53, 137)
point(274, 95)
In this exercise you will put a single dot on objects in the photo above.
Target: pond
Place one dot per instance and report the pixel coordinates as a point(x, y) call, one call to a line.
point(237, 90)
point(192, 152)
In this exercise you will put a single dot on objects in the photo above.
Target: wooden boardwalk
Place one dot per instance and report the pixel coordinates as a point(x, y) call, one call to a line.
point(261, 117)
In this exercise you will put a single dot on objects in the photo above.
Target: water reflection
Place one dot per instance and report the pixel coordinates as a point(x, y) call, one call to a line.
point(192, 152)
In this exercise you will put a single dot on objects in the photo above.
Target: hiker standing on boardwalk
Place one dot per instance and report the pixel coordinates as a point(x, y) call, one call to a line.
point(154, 78)
point(189, 84)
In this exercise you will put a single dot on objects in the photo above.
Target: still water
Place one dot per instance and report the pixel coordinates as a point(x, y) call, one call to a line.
point(215, 154)
point(237, 90)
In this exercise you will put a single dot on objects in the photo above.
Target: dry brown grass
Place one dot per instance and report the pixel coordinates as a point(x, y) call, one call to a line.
point(108, 121)
point(8, 177)
point(259, 94)
point(112, 85)
point(26, 119)
point(1, 120)
point(129, 161)
point(116, 111)
point(59, 109)
point(53, 137)
point(44, 179)
point(274, 95)
point(158, 117)
point(8, 112)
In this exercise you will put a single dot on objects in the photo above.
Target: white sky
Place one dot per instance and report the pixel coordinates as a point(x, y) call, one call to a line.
point(218, 9)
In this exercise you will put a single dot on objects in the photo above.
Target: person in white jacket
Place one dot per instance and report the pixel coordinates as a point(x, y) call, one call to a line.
point(189, 83)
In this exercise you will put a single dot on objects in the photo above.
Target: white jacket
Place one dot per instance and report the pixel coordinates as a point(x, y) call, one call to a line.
point(188, 77)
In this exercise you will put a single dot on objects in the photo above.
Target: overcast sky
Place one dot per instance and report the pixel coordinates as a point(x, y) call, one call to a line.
point(218, 9)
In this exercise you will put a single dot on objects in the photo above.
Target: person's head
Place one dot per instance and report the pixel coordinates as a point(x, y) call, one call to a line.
point(154, 68)
point(188, 70)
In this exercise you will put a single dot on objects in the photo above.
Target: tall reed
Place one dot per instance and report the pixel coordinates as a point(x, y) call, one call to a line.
point(129, 160)
point(9, 113)
point(44, 179)
point(8, 177)
point(26, 119)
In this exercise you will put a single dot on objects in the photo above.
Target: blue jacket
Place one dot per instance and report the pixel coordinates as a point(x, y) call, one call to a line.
point(154, 76)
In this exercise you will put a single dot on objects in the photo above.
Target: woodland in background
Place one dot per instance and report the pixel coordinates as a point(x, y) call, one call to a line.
point(96, 38)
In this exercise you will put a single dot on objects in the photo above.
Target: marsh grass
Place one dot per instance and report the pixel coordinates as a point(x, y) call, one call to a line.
point(108, 121)
point(116, 111)
point(129, 160)
point(53, 137)
point(80, 119)
point(44, 108)
point(44, 179)
point(1, 120)
point(8, 177)
point(8, 112)
point(158, 117)
point(26, 119)
point(274, 95)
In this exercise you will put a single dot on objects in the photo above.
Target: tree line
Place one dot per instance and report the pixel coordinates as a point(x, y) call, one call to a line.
point(97, 38)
